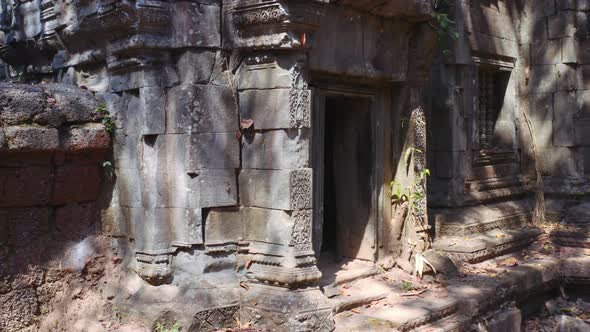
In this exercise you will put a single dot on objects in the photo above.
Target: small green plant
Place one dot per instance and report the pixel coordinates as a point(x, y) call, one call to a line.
point(174, 328)
point(443, 23)
point(407, 286)
point(446, 25)
point(413, 193)
point(107, 119)
point(413, 197)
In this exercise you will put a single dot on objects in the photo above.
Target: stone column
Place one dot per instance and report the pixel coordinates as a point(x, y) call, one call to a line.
point(275, 183)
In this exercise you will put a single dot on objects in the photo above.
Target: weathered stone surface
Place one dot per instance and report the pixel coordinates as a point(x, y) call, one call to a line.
point(19, 309)
point(3, 143)
point(196, 24)
point(164, 171)
point(493, 45)
point(276, 189)
point(582, 125)
point(130, 187)
point(195, 66)
point(86, 138)
point(75, 183)
point(442, 263)
point(27, 186)
point(576, 50)
point(19, 104)
point(201, 109)
point(177, 151)
point(496, 24)
point(224, 226)
point(365, 41)
point(267, 71)
point(213, 188)
point(268, 226)
point(275, 109)
point(153, 109)
point(542, 79)
point(562, 25)
point(567, 78)
point(568, 50)
point(74, 105)
point(505, 134)
point(583, 80)
point(539, 108)
point(276, 149)
point(213, 151)
point(32, 138)
point(127, 150)
point(560, 161)
point(563, 118)
point(546, 52)
point(186, 225)
point(77, 221)
point(506, 320)
point(578, 214)
point(541, 8)
point(411, 9)
point(142, 78)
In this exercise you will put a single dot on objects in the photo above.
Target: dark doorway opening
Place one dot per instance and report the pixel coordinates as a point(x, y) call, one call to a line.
point(348, 164)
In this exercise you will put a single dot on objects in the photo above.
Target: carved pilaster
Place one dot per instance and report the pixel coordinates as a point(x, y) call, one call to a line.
point(275, 96)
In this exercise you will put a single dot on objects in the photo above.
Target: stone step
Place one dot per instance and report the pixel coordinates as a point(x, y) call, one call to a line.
point(342, 304)
point(359, 293)
point(474, 220)
point(478, 248)
point(406, 316)
point(414, 313)
point(348, 277)
point(453, 323)
point(575, 236)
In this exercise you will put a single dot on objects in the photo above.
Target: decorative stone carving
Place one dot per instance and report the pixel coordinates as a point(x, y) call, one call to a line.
point(313, 321)
point(299, 98)
point(302, 231)
point(265, 14)
point(153, 266)
point(301, 192)
point(178, 154)
point(214, 319)
point(307, 309)
point(276, 23)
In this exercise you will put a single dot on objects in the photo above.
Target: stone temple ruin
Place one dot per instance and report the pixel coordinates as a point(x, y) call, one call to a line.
point(230, 153)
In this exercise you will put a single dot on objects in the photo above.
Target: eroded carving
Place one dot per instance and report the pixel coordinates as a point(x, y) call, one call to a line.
point(301, 189)
point(301, 237)
point(217, 318)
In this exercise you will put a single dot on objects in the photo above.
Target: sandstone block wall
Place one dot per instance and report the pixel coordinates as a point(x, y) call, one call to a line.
point(552, 89)
point(535, 53)
point(212, 102)
point(546, 87)
point(52, 150)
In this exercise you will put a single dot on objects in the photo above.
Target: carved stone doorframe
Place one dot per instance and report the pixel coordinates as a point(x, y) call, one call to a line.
point(335, 87)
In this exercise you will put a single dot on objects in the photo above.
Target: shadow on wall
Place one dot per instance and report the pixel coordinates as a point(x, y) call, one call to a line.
point(53, 189)
point(542, 100)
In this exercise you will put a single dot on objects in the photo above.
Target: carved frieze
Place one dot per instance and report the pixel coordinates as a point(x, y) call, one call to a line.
point(257, 15)
point(153, 266)
point(275, 24)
